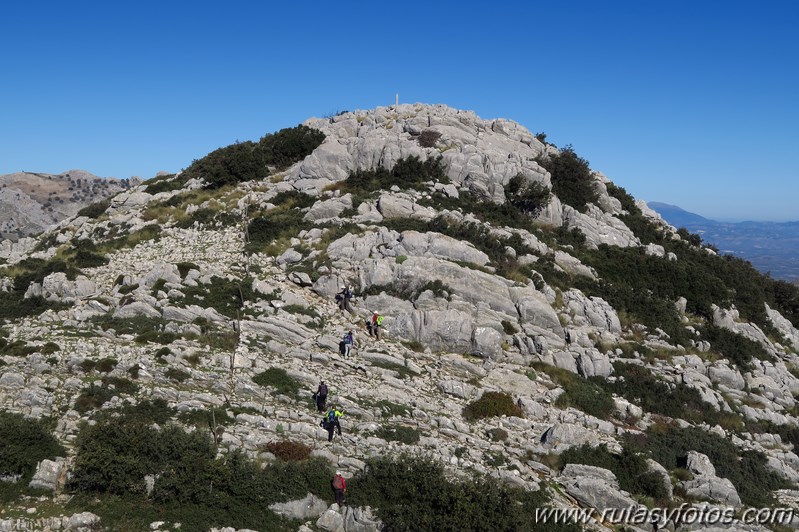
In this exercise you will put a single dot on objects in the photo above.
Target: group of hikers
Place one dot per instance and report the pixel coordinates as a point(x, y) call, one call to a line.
point(374, 324)
point(331, 421)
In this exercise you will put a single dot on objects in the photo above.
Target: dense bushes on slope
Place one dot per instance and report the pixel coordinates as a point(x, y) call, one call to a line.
point(244, 161)
point(24, 443)
point(747, 470)
point(571, 178)
point(407, 173)
point(415, 494)
point(631, 469)
point(192, 486)
point(492, 404)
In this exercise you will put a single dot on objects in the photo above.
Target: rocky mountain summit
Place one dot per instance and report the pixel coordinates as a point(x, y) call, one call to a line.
point(547, 342)
point(30, 202)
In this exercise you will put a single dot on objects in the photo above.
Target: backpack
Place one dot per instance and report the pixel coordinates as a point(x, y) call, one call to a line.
point(338, 482)
point(331, 416)
point(379, 321)
point(323, 389)
point(348, 338)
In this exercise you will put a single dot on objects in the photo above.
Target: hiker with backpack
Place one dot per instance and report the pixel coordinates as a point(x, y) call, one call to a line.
point(321, 396)
point(347, 343)
point(331, 422)
point(339, 487)
point(343, 299)
point(374, 325)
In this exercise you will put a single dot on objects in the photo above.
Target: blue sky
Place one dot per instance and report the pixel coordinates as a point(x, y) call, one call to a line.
point(686, 102)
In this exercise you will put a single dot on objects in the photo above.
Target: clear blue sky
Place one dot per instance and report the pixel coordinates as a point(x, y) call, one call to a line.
point(687, 102)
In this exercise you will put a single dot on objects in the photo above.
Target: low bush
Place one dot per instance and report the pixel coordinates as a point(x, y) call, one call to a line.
point(747, 470)
point(192, 486)
point(415, 494)
point(530, 197)
point(639, 386)
point(497, 434)
point(587, 395)
point(492, 404)
point(24, 442)
point(428, 138)
point(572, 182)
point(17, 348)
point(736, 348)
point(176, 374)
point(95, 210)
point(226, 296)
point(289, 450)
point(279, 380)
point(166, 183)
point(631, 469)
point(399, 433)
point(94, 396)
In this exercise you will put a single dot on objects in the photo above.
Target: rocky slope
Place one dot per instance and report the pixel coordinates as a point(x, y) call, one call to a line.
point(182, 295)
point(30, 202)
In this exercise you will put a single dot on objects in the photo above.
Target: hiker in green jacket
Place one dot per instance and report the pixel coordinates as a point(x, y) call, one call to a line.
point(331, 422)
point(374, 325)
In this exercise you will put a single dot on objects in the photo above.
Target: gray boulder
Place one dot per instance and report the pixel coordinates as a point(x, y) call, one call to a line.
point(310, 507)
point(47, 475)
point(413, 243)
point(327, 209)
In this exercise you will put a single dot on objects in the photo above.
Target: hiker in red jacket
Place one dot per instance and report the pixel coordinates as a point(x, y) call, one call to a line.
point(339, 487)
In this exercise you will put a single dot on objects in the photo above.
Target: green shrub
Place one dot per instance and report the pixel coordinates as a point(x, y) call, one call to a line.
point(571, 178)
point(631, 469)
point(24, 442)
point(289, 450)
point(407, 173)
point(227, 166)
point(279, 380)
point(95, 210)
point(176, 374)
point(497, 434)
point(403, 371)
point(492, 404)
point(509, 328)
point(49, 348)
point(226, 296)
point(587, 395)
point(245, 161)
point(747, 470)
point(289, 145)
point(272, 225)
point(388, 408)
point(415, 494)
point(736, 348)
point(94, 396)
point(399, 433)
point(192, 487)
point(106, 365)
point(166, 183)
point(428, 138)
point(17, 348)
point(639, 386)
point(530, 197)
point(185, 267)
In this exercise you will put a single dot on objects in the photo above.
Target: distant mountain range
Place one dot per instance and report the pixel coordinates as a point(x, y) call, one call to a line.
point(770, 246)
point(30, 202)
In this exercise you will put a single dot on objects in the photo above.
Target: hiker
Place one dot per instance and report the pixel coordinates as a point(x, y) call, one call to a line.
point(347, 343)
point(331, 422)
point(321, 396)
point(339, 487)
point(374, 325)
point(343, 298)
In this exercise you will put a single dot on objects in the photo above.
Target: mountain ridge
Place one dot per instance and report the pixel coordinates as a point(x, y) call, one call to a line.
point(515, 282)
point(772, 247)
